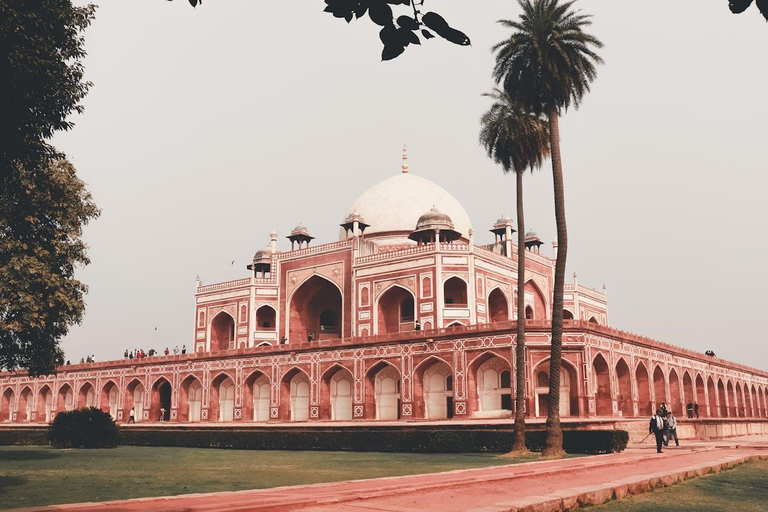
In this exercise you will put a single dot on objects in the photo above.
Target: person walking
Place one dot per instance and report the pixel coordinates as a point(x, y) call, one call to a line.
point(656, 427)
point(696, 408)
point(162, 414)
point(671, 430)
point(132, 416)
point(689, 409)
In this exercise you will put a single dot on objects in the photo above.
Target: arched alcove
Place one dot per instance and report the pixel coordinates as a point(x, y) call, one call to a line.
point(642, 381)
point(534, 298)
point(396, 311)
point(315, 308)
point(624, 381)
point(266, 318)
point(498, 306)
point(383, 386)
point(190, 400)
point(222, 332)
point(601, 382)
point(455, 292)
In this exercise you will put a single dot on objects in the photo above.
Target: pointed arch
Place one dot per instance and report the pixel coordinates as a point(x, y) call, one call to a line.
point(489, 386)
point(135, 398)
point(569, 388)
point(455, 293)
point(701, 397)
point(257, 394)
point(567, 314)
point(382, 390)
point(712, 398)
point(433, 388)
point(689, 393)
point(66, 398)
point(25, 405)
point(723, 398)
point(624, 393)
point(266, 318)
point(294, 394)
point(110, 398)
point(336, 393)
point(315, 307)
point(221, 405)
point(498, 305)
point(160, 400)
point(395, 310)
point(537, 299)
point(190, 399)
point(676, 404)
point(7, 404)
point(44, 404)
point(221, 332)
point(659, 386)
point(86, 396)
point(643, 383)
point(601, 384)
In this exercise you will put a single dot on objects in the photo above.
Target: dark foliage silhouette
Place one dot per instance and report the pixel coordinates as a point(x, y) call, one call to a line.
point(739, 6)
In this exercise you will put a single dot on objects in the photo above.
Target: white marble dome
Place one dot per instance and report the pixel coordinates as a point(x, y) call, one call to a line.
point(396, 204)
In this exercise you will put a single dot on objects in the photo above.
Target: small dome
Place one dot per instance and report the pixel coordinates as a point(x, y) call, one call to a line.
point(262, 255)
point(434, 219)
point(532, 234)
point(503, 220)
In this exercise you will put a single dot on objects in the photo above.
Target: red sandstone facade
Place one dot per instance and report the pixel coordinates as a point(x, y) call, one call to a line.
point(403, 318)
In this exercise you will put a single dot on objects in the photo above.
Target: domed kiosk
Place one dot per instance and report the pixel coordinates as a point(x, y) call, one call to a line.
point(393, 207)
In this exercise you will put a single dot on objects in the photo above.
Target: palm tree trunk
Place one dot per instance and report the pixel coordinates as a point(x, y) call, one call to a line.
point(518, 443)
point(554, 442)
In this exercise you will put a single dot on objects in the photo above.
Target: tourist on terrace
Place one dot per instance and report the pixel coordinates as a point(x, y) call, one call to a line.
point(283, 340)
point(176, 350)
point(671, 429)
point(656, 427)
point(125, 355)
point(696, 408)
point(310, 337)
point(183, 349)
point(167, 351)
point(417, 326)
point(689, 409)
point(132, 416)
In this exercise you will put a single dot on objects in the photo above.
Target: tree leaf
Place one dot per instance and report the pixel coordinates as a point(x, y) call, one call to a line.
point(739, 6)
point(408, 23)
point(763, 6)
point(380, 13)
point(441, 27)
point(193, 3)
point(391, 51)
point(427, 34)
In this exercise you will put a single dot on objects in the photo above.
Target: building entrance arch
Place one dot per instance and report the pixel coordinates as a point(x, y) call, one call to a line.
point(569, 395)
point(490, 380)
point(45, 404)
point(336, 394)
point(191, 402)
point(383, 383)
point(7, 403)
point(601, 383)
point(315, 309)
point(395, 311)
point(222, 332)
point(644, 406)
point(498, 306)
point(624, 380)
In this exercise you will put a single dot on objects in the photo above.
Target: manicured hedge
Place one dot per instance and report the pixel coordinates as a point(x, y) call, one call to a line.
point(391, 440)
point(31, 436)
point(84, 428)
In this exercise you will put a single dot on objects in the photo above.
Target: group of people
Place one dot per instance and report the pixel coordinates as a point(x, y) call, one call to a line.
point(664, 426)
point(692, 408)
point(709, 353)
point(140, 354)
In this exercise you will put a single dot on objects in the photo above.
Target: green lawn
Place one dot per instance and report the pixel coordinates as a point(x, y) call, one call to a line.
point(70, 476)
point(742, 489)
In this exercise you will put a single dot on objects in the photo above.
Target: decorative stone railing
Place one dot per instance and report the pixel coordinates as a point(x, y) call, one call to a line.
point(315, 249)
point(226, 285)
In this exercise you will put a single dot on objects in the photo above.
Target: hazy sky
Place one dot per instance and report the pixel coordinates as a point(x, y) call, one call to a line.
point(207, 128)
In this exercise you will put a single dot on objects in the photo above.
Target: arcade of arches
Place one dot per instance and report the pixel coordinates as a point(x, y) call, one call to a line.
point(463, 376)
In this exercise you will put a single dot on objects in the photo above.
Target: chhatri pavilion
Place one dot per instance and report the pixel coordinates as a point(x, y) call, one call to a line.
point(404, 317)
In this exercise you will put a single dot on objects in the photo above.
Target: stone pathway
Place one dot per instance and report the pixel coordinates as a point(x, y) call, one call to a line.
point(542, 486)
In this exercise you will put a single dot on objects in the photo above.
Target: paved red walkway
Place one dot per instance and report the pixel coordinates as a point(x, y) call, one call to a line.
point(544, 485)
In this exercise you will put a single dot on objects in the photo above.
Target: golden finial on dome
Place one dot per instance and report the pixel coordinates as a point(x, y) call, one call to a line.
point(405, 160)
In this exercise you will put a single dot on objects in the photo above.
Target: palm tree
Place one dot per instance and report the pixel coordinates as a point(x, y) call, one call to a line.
point(547, 64)
point(517, 140)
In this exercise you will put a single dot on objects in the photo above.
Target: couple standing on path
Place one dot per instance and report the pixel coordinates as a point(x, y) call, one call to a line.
point(664, 426)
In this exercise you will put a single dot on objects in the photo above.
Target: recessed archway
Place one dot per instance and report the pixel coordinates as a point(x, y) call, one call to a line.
point(490, 385)
point(222, 403)
point(569, 389)
point(455, 292)
point(712, 395)
point(66, 401)
point(736, 402)
point(222, 332)
point(534, 299)
point(383, 387)
point(336, 394)
point(642, 381)
point(191, 400)
point(395, 311)
point(688, 391)
point(675, 405)
point(433, 389)
point(109, 399)
point(256, 397)
point(135, 399)
point(601, 383)
point(86, 396)
point(701, 398)
point(567, 315)
point(498, 306)
point(659, 386)
point(723, 412)
point(624, 380)
point(160, 400)
point(315, 308)
point(45, 404)
point(7, 403)
point(25, 405)
point(266, 318)
point(294, 395)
